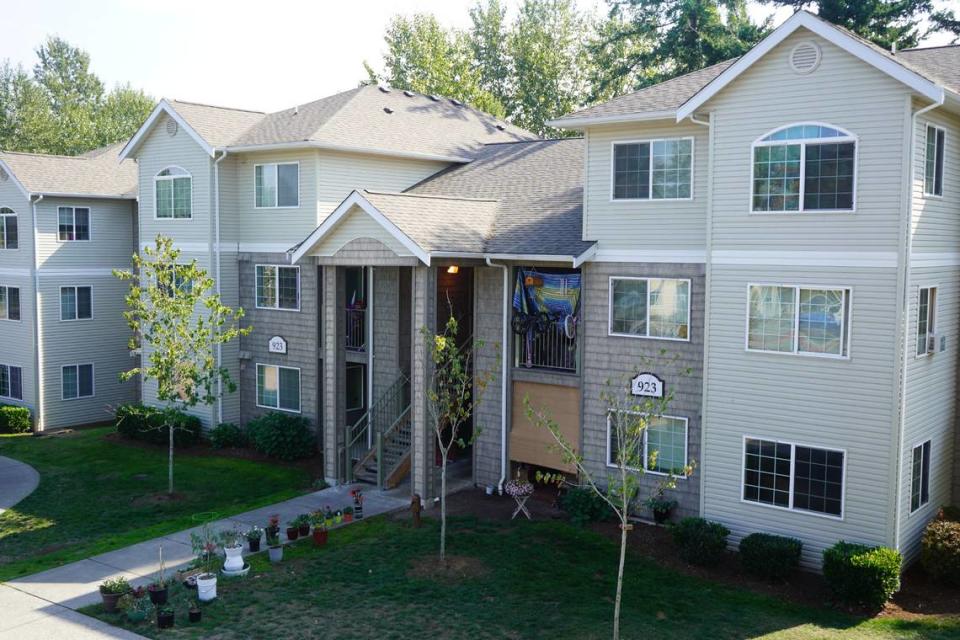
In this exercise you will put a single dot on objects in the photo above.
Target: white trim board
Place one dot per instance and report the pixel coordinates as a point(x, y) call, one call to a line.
point(876, 259)
point(673, 256)
point(920, 259)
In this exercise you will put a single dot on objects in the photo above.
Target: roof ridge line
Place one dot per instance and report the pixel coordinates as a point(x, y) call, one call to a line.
point(216, 106)
point(434, 196)
point(937, 46)
point(52, 155)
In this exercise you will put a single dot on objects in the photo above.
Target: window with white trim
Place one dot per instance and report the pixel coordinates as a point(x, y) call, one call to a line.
point(933, 163)
point(802, 320)
point(11, 382)
point(173, 191)
point(920, 476)
point(653, 170)
point(649, 308)
point(9, 303)
point(278, 387)
point(793, 476)
point(76, 303)
point(176, 282)
point(277, 185)
point(804, 167)
point(73, 224)
point(278, 287)
point(76, 381)
point(664, 443)
point(9, 238)
point(926, 320)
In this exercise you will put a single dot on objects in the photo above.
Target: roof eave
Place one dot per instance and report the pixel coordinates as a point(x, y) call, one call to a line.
point(312, 144)
point(643, 116)
point(162, 107)
point(93, 196)
point(26, 192)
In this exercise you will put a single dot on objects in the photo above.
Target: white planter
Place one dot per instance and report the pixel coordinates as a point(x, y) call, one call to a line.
point(207, 587)
point(234, 561)
point(275, 553)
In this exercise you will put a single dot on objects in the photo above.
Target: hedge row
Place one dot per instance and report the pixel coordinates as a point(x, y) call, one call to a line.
point(150, 424)
point(15, 419)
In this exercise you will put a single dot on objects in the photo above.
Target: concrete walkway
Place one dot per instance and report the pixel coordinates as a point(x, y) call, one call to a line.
point(17, 481)
point(43, 605)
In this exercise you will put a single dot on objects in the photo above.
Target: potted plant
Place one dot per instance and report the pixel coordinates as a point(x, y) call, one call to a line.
point(137, 609)
point(293, 530)
point(273, 526)
point(232, 542)
point(165, 616)
point(253, 538)
point(348, 514)
point(303, 524)
point(111, 591)
point(274, 548)
point(328, 517)
point(195, 613)
point(658, 503)
point(158, 588)
point(204, 546)
point(319, 529)
point(338, 516)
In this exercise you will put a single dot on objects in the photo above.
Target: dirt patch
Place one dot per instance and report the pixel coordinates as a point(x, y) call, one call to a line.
point(453, 569)
point(49, 549)
point(152, 499)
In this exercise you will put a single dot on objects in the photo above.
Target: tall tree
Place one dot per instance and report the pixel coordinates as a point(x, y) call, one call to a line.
point(946, 20)
point(488, 40)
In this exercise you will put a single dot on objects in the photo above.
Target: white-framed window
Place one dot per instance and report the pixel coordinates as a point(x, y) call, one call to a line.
point(276, 185)
point(920, 476)
point(11, 382)
point(356, 384)
point(800, 320)
point(804, 167)
point(278, 287)
point(9, 303)
point(933, 162)
point(926, 320)
point(73, 224)
point(177, 282)
point(9, 238)
point(664, 444)
point(76, 381)
point(649, 308)
point(76, 303)
point(652, 169)
point(278, 387)
point(793, 476)
point(173, 194)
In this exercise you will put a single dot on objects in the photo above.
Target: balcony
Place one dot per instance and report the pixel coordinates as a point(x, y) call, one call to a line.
point(549, 346)
point(355, 323)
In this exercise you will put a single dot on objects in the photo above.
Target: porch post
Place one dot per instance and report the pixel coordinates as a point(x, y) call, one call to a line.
point(334, 372)
point(423, 439)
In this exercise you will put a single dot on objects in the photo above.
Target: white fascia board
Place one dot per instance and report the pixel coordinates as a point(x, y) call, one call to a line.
point(306, 144)
point(92, 196)
point(580, 123)
point(586, 255)
point(26, 193)
point(357, 198)
point(829, 33)
point(162, 107)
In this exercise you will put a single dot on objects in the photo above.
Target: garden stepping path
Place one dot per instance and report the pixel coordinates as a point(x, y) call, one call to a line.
point(17, 481)
point(43, 605)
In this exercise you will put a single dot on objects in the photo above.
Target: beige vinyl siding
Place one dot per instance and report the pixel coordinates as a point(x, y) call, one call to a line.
point(101, 341)
point(936, 220)
point(358, 224)
point(820, 402)
point(631, 225)
point(284, 226)
point(13, 198)
point(111, 232)
point(770, 95)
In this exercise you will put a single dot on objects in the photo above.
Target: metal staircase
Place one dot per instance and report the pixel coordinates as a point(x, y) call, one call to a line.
point(378, 445)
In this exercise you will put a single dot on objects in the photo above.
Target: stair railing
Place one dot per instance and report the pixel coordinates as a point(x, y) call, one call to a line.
point(391, 403)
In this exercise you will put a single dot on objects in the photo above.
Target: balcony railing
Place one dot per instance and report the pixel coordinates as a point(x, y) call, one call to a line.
point(355, 322)
point(550, 349)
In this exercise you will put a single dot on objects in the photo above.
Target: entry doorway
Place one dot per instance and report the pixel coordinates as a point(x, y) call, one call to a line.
point(356, 393)
point(455, 298)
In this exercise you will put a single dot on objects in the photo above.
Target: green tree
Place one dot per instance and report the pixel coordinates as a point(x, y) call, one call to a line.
point(121, 114)
point(25, 120)
point(178, 321)
point(488, 40)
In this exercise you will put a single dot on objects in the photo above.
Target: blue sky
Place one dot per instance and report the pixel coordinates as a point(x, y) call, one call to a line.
point(256, 55)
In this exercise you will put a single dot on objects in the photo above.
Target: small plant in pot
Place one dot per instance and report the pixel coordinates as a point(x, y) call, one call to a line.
point(658, 503)
point(204, 546)
point(293, 530)
point(253, 538)
point(158, 588)
point(273, 526)
point(194, 613)
point(303, 524)
point(319, 529)
point(328, 516)
point(111, 591)
point(348, 514)
point(338, 516)
point(232, 542)
point(165, 616)
point(137, 609)
point(274, 548)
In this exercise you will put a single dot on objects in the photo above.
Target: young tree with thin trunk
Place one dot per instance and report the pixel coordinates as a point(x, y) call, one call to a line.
point(178, 321)
point(630, 416)
point(453, 392)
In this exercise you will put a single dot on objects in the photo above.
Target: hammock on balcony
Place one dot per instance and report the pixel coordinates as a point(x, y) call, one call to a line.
point(556, 294)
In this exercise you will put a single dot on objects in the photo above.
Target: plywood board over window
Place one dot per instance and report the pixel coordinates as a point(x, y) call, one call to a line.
point(533, 444)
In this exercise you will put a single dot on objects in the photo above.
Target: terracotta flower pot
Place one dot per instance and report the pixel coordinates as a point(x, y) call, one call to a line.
point(157, 595)
point(293, 533)
point(348, 517)
point(304, 530)
point(320, 537)
point(110, 601)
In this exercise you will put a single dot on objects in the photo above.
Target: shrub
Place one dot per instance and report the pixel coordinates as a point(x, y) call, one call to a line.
point(282, 436)
point(859, 574)
point(149, 424)
point(583, 506)
point(225, 435)
point(14, 419)
point(940, 551)
point(770, 556)
point(700, 541)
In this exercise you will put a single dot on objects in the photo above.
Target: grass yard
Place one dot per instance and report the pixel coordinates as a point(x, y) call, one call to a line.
point(524, 580)
point(96, 495)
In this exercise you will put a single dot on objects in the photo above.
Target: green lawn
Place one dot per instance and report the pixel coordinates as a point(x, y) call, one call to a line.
point(537, 580)
point(96, 495)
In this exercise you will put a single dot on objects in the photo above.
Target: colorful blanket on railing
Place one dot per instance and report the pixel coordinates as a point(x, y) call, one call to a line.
point(554, 293)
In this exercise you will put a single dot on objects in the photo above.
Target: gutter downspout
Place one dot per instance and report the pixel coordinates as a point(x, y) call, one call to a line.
point(216, 227)
point(38, 374)
point(905, 307)
point(503, 373)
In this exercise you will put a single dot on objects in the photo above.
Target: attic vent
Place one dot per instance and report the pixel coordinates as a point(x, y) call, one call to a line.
point(805, 57)
point(3, 176)
point(172, 127)
point(387, 110)
point(435, 97)
point(383, 88)
point(409, 93)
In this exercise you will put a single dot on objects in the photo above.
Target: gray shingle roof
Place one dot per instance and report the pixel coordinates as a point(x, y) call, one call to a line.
point(95, 173)
point(219, 126)
point(941, 64)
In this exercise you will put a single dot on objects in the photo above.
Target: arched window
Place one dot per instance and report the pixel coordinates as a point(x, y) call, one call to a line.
point(804, 167)
point(8, 229)
point(173, 191)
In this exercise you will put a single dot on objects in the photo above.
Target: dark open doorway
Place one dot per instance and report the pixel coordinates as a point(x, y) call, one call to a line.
point(455, 298)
